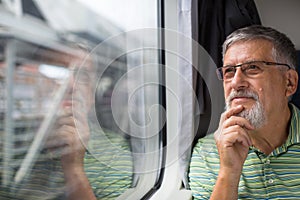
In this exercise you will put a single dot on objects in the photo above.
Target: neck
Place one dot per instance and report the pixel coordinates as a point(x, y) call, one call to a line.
point(273, 134)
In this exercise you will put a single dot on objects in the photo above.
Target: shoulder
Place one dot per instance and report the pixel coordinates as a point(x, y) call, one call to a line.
point(205, 155)
point(295, 111)
point(204, 167)
point(206, 144)
point(295, 119)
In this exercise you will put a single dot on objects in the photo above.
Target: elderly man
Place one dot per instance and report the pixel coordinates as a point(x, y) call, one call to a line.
point(255, 153)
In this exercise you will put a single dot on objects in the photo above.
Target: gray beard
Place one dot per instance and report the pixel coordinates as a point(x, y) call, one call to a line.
point(255, 115)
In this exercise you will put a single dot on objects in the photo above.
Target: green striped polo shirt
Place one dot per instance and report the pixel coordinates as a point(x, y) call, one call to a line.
point(108, 164)
point(273, 176)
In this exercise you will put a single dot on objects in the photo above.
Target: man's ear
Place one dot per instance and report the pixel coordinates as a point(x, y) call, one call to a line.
point(292, 82)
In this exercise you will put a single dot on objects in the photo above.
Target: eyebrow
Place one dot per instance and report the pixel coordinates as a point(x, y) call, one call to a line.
point(247, 61)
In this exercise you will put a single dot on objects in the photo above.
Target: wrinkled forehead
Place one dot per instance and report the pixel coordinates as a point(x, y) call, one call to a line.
point(249, 50)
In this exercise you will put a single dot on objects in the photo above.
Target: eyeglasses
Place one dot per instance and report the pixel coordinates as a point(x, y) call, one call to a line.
point(251, 69)
point(81, 76)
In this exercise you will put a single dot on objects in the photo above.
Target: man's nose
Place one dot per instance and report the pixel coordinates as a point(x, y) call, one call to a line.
point(239, 79)
point(71, 83)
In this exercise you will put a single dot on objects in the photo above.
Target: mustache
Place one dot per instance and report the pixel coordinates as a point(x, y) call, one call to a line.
point(241, 93)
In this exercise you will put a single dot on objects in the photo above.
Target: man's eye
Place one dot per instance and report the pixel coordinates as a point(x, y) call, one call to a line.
point(229, 70)
point(252, 69)
point(83, 77)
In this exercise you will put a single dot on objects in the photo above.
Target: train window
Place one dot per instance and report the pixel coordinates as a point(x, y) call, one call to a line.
point(80, 75)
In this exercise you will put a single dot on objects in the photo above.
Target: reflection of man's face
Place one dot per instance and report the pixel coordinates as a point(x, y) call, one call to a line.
point(261, 96)
point(79, 93)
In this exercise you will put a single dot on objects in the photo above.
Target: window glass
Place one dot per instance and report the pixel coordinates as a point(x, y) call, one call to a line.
point(87, 70)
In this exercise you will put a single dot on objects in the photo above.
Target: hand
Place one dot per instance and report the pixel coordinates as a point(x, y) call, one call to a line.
point(67, 141)
point(233, 141)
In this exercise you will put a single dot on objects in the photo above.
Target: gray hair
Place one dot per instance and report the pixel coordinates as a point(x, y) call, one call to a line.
point(283, 48)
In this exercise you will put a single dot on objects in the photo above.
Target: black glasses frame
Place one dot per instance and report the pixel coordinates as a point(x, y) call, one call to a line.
point(219, 70)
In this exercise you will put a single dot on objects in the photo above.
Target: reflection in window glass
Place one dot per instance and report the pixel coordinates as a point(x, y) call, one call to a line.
point(75, 93)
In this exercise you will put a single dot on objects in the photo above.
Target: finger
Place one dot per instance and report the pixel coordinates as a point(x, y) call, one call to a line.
point(60, 137)
point(61, 151)
point(72, 126)
point(235, 120)
point(234, 111)
point(67, 135)
point(66, 111)
point(236, 133)
point(231, 139)
point(227, 114)
point(68, 120)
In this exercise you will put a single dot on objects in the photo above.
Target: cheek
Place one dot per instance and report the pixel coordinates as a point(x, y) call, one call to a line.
point(227, 91)
point(270, 96)
point(261, 94)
